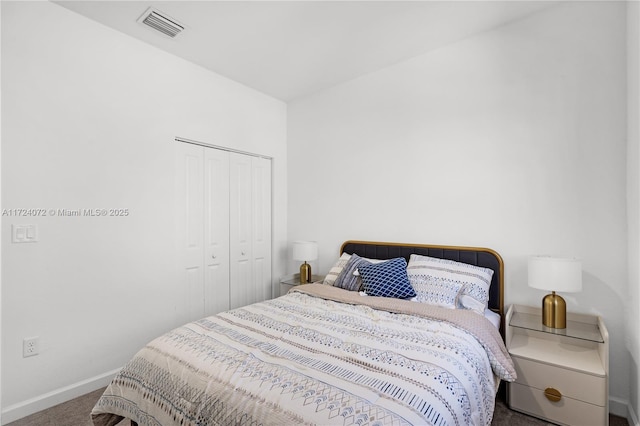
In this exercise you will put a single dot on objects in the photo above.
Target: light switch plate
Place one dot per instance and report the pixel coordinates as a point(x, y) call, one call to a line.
point(24, 233)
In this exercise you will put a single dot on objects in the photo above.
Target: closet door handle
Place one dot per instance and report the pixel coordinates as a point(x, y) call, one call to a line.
point(242, 253)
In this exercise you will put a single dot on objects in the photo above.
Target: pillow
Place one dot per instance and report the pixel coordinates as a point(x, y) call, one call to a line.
point(440, 293)
point(331, 277)
point(347, 279)
point(387, 279)
point(335, 270)
point(426, 272)
point(493, 317)
point(357, 274)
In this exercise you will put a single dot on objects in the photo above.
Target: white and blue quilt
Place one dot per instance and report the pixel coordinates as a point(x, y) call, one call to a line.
point(319, 355)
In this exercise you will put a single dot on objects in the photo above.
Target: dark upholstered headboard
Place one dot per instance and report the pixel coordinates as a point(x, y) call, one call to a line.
point(484, 257)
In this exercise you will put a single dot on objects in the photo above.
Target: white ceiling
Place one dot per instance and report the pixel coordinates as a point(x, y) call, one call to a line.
point(289, 49)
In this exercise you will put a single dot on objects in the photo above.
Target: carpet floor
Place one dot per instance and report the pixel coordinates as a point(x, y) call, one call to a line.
point(76, 413)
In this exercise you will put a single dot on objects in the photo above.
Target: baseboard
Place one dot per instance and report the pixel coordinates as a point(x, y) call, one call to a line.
point(622, 408)
point(58, 396)
point(633, 417)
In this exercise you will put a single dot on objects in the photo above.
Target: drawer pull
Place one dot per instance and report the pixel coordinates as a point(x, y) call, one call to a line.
point(552, 394)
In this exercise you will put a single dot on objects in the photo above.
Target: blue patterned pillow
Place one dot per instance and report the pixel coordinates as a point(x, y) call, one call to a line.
point(387, 279)
point(346, 279)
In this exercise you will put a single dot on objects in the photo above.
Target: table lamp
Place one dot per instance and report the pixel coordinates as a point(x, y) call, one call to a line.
point(555, 274)
point(305, 251)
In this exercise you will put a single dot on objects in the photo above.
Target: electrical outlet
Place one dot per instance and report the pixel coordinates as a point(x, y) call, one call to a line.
point(30, 346)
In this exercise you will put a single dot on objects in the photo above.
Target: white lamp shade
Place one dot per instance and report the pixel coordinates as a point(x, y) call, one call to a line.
point(562, 274)
point(305, 250)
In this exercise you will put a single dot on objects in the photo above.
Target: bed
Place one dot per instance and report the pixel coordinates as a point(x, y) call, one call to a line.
point(359, 348)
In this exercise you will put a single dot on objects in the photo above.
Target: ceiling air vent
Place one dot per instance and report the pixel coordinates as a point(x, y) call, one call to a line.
point(161, 22)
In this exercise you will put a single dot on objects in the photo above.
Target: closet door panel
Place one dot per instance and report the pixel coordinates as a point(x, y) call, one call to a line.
point(189, 208)
point(240, 223)
point(216, 231)
point(261, 227)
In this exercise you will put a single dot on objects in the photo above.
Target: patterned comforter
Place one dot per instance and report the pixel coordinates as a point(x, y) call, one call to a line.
point(319, 355)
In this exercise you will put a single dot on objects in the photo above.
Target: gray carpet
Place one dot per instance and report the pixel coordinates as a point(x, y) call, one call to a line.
point(76, 413)
point(72, 413)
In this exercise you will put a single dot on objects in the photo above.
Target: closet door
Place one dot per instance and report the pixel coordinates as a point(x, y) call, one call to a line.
point(202, 192)
point(224, 230)
point(250, 229)
point(261, 235)
point(190, 227)
point(216, 231)
point(240, 223)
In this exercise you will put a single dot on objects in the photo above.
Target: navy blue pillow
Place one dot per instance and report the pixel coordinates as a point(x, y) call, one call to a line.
point(387, 279)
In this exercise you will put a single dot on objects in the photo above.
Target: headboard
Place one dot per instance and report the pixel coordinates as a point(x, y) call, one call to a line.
point(477, 256)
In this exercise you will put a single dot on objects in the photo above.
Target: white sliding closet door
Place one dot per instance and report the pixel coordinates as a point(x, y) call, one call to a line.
point(224, 229)
point(261, 235)
point(190, 232)
point(216, 231)
point(240, 224)
point(250, 221)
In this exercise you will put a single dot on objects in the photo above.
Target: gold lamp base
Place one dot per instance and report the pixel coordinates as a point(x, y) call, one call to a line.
point(554, 311)
point(305, 273)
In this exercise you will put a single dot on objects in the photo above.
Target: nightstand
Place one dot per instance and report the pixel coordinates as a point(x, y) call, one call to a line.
point(563, 374)
point(287, 283)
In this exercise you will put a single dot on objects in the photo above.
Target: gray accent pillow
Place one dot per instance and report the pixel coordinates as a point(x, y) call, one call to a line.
point(332, 275)
point(346, 279)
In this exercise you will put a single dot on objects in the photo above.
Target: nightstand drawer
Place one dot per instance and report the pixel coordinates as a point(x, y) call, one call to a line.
point(566, 411)
point(571, 384)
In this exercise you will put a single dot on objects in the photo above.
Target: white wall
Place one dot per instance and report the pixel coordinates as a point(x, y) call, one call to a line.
point(633, 201)
point(513, 139)
point(89, 119)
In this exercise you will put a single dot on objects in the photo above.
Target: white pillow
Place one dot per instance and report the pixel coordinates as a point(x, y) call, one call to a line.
point(440, 294)
point(493, 317)
point(426, 272)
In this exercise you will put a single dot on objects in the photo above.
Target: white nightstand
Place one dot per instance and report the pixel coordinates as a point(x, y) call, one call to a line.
point(287, 283)
point(563, 374)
